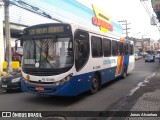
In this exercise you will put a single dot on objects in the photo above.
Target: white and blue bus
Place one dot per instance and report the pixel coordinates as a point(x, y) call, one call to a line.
point(64, 59)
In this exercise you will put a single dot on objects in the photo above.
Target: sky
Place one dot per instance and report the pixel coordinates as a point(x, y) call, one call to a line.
point(131, 10)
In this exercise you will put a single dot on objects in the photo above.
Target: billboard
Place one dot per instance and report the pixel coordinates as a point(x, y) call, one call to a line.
point(102, 20)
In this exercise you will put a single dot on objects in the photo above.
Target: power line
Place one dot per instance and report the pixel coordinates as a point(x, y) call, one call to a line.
point(26, 6)
point(149, 13)
point(146, 8)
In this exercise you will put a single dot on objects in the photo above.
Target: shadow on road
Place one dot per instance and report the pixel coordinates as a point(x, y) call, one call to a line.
point(2, 91)
point(56, 100)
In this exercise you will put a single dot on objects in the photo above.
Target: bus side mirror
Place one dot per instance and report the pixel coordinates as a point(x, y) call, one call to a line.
point(21, 42)
point(16, 44)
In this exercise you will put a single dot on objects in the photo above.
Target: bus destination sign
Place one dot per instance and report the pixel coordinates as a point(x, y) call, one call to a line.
point(46, 30)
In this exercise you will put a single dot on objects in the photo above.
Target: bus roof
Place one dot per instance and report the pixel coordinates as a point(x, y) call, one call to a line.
point(81, 27)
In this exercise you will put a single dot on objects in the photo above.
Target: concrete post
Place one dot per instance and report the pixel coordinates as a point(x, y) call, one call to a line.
point(1, 36)
point(8, 36)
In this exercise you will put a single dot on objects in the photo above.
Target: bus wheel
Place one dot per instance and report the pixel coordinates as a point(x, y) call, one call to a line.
point(124, 74)
point(95, 84)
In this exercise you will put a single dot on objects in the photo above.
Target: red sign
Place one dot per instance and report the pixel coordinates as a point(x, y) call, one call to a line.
point(39, 88)
point(101, 23)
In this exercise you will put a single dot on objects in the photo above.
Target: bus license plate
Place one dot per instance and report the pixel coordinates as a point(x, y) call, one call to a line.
point(39, 88)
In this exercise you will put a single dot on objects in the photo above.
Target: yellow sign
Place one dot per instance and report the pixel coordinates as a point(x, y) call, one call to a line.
point(102, 20)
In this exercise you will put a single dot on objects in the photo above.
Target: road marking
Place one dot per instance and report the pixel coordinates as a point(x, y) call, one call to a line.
point(141, 84)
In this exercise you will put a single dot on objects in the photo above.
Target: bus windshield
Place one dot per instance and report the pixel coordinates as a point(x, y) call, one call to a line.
point(49, 53)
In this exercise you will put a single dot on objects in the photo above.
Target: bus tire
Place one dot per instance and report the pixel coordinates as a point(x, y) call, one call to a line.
point(124, 73)
point(95, 84)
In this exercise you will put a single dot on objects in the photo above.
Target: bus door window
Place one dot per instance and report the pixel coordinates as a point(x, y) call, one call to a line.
point(81, 49)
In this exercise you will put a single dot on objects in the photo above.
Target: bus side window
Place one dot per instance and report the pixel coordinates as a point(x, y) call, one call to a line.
point(96, 47)
point(81, 49)
point(106, 47)
point(114, 48)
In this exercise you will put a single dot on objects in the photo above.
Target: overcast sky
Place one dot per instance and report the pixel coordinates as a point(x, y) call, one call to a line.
point(131, 10)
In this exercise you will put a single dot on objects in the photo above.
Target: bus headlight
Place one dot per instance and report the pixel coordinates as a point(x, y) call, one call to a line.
point(66, 79)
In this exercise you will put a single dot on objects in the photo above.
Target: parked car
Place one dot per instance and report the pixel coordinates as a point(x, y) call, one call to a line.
point(150, 58)
point(11, 81)
point(157, 56)
point(140, 56)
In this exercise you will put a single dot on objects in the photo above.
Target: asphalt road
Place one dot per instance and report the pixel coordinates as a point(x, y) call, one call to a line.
point(108, 98)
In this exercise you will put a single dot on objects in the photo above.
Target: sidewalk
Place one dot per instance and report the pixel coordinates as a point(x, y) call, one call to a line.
point(148, 104)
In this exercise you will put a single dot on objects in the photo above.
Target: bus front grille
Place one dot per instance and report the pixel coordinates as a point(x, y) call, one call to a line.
point(44, 72)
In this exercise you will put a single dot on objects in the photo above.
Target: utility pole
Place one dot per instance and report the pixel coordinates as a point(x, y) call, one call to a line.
point(7, 34)
point(125, 23)
point(1, 36)
point(143, 42)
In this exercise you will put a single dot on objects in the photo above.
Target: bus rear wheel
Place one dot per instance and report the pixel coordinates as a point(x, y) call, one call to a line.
point(95, 84)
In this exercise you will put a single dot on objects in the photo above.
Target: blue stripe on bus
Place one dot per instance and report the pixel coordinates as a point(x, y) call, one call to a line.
point(77, 84)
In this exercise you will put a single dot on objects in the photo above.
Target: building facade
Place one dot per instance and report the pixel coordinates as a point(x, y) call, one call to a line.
point(146, 44)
